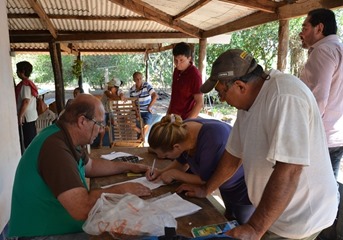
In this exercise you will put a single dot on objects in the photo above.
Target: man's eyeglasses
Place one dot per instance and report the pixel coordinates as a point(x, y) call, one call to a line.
point(100, 124)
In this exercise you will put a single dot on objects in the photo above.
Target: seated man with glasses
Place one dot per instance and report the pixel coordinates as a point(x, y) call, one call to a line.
point(50, 193)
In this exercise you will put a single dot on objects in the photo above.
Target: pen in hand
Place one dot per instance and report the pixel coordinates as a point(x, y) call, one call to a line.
point(153, 167)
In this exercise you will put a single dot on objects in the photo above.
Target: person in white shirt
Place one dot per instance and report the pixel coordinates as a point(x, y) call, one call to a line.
point(26, 94)
point(279, 138)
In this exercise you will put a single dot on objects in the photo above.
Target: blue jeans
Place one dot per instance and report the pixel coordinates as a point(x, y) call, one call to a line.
point(339, 222)
point(336, 154)
point(146, 117)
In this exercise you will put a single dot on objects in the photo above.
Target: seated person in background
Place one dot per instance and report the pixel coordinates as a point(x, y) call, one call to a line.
point(50, 193)
point(76, 92)
point(198, 145)
point(112, 93)
point(45, 119)
point(146, 96)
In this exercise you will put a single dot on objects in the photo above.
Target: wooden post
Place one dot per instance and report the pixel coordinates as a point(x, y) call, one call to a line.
point(146, 58)
point(202, 57)
point(55, 55)
point(79, 82)
point(283, 45)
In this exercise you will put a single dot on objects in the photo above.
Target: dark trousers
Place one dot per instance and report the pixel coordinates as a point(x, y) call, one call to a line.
point(336, 154)
point(27, 133)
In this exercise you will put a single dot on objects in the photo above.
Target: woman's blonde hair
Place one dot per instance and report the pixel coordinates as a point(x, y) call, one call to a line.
point(167, 132)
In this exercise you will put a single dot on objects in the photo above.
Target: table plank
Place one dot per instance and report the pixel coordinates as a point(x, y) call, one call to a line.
point(207, 215)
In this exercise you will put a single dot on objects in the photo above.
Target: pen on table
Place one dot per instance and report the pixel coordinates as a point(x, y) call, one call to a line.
point(152, 167)
point(134, 174)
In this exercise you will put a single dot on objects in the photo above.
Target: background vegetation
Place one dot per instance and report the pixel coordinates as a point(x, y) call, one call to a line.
point(261, 41)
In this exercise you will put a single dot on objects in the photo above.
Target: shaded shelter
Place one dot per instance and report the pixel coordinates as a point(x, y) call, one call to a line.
point(141, 26)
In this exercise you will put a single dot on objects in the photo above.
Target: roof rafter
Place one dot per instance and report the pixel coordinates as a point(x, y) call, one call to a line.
point(45, 20)
point(43, 17)
point(156, 15)
point(191, 9)
point(251, 20)
point(284, 12)
point(302, 8)
point(270, 8)
point(44, 36)
point(56, 16)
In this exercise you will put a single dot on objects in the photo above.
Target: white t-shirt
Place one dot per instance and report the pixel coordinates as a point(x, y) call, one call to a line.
point(284, 125)
point(30, 114)
point(104, 100)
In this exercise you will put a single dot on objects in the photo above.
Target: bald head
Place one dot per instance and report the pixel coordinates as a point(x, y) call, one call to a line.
point(84, 104)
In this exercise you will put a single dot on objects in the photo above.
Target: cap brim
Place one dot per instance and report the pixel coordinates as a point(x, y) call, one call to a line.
point(208, 85)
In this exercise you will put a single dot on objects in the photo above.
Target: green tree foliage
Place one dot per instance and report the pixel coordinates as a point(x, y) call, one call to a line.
point(161, 68)
point(119, 66)
point(297, 55)
point(260, 41)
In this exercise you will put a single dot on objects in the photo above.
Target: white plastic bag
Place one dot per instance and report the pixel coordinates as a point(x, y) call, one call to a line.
point(127, 215)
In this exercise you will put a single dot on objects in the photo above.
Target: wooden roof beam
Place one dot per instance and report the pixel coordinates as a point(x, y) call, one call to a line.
point(68, 48)
point(91, 18)
point(268, 7)
point(43, 17)
point(191, 9)
point(284, 12)
point(157, 15)
point(161, 49)
point(251, 20)
point(141, 50)
point(22, 36)
point(303, 7)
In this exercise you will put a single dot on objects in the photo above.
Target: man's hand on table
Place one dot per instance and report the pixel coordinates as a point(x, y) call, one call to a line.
point(138, 168)
point(193, 190)
point(243, 232)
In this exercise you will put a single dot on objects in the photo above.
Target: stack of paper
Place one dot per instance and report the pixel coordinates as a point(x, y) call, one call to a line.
point(173, 203)
point(142, 180)
point(176, 205)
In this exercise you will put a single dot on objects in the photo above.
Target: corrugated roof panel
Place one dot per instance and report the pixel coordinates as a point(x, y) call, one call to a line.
point(14, 6)
point(215, 14)
point(30, 46)
point(86, 8)
point(172, 7)
point(209, 16)
point(109, 26)
point(25, 24)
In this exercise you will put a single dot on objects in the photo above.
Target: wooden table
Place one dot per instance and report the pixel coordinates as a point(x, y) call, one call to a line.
point(207, 215)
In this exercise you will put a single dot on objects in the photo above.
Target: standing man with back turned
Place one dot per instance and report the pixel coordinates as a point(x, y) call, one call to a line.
point(26, 93)
point(186, 99)
point(323, 74)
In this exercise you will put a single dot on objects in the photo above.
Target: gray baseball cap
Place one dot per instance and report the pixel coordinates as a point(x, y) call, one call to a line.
point(232, 64)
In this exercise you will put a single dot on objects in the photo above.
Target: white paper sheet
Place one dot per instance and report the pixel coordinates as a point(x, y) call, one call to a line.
point(176, 205)
point(114, 155)
point(142, 180)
